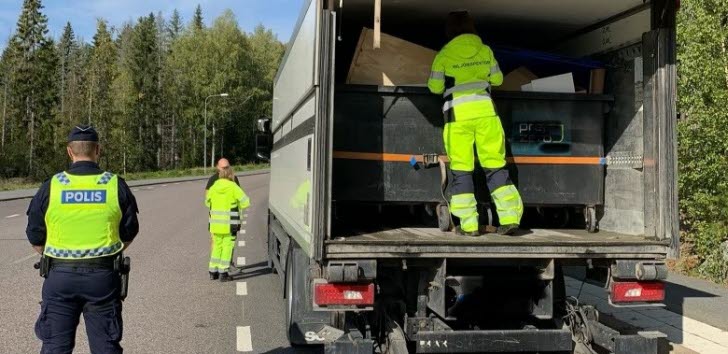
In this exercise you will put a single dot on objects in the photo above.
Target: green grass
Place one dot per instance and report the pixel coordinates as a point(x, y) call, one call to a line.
point(27, 183)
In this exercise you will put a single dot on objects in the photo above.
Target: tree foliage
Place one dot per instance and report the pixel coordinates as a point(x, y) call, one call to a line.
point(703, 138)
point(143, 85)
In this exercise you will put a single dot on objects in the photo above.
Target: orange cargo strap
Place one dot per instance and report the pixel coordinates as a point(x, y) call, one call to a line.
point(523, 160)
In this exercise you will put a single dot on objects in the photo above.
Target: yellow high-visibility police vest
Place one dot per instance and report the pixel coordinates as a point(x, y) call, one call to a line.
point(83, 216)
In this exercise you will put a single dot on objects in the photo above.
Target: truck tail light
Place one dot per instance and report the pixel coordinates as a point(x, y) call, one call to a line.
point(343, 294)
point(643, 291)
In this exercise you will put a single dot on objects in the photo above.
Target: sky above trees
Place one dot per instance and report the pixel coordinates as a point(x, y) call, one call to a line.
point(278, 15)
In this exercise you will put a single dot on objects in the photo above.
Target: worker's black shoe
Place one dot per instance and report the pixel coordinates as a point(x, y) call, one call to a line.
point(507, 230)
point(458, 231)
point(225, 277)
point(214, 275)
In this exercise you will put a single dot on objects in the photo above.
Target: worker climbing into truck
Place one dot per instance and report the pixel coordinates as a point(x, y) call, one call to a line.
point(226, 201)
point(463, 72)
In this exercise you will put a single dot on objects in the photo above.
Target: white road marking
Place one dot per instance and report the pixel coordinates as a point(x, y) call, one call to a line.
point(176, 183)
point(135, 189)
point(244, 343)
point(245, 223)
point(242, 232)
point(241, 288)
point(149, 188)
point(12, 216)
point(27, 258)
point(241, 243)
point(164, 185)
point(241, 261)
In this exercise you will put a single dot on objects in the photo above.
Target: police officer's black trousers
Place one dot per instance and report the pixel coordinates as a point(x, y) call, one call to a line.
point(68, 293)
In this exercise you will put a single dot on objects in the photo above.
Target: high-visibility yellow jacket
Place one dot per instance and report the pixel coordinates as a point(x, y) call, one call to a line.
point(226, 201)
point(463, 72)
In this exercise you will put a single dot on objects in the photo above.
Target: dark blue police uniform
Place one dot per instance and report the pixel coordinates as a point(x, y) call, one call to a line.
point(89, 287)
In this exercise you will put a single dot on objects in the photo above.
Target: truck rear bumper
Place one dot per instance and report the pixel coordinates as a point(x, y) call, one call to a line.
point(495, 341)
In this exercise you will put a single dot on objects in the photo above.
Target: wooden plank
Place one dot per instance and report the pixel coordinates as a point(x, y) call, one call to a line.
point(377, 24)
point(396, 63)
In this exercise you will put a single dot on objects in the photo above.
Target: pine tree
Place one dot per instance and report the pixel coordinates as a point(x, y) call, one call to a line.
point(145, 76)
point(34, 80)
point(175, 27)
point(197, 23)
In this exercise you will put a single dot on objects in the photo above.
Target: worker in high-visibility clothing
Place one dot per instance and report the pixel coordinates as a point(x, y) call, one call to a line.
point(80, 220)
point(226, 202)
point(463, 72)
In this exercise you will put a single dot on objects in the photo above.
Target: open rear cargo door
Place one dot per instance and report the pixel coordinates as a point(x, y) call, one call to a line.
point(660, 146)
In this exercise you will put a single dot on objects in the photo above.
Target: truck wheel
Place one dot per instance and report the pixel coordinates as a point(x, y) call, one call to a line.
point(272, 246)
point(590, 216)
point(444, 222)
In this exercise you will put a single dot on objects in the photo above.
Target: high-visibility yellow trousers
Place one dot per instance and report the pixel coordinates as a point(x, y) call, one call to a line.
point(487, 135)
point(221, 252)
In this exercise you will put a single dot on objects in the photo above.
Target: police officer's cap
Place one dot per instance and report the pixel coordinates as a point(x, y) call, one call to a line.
point(83, 133)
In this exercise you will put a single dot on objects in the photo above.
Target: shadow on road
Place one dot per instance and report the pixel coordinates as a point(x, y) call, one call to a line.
point(251, 271)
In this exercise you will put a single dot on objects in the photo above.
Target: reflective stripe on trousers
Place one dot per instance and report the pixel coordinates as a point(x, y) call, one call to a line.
point(465, 207)
point(508, 204)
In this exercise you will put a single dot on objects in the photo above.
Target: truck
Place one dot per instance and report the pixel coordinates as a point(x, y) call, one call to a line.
point(358, 218)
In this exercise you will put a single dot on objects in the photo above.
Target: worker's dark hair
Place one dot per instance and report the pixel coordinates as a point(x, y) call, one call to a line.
point(459, 22)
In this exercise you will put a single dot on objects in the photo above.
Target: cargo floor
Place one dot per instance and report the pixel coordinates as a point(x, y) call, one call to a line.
point(533, 243)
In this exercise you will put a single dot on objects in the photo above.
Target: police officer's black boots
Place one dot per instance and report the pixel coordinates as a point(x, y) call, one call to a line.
point(225, 277)
point(214, 275)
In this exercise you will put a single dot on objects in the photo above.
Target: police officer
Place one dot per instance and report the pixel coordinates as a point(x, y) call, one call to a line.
point(463, 72)
point(81, 220)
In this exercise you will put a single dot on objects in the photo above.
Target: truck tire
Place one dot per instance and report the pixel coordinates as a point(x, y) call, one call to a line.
point(292, 307)
point(301, 320)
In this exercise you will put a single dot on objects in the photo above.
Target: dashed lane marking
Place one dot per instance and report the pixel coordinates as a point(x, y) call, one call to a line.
point(176, 183)
point(12, 216)
point(164, 185)
point(241, 243)
point(245, 223)
point(242, 232)
point(241, 261)
point(241, 288)
point(245, 343)
point(135, 189)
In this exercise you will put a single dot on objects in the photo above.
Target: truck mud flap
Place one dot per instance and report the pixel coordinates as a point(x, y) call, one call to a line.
point(494, 341)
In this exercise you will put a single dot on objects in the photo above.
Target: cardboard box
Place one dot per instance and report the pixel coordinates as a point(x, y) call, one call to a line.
point(563, 83)
point(515, 79)
point(596, 81)
point(396, 63)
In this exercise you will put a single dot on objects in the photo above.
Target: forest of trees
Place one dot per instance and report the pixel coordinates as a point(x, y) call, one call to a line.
point(142, 85)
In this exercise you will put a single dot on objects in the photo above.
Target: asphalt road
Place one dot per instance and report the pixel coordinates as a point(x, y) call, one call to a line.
point(172, 306)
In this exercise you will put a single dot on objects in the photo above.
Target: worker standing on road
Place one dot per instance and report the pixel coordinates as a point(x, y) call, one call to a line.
point(463, 72)
point(226, 201)
point(81, 220)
